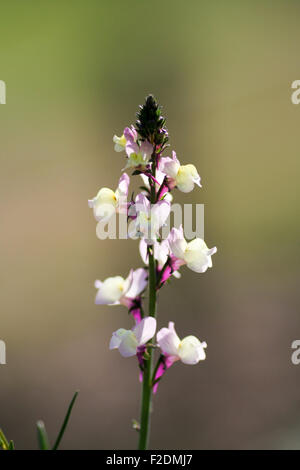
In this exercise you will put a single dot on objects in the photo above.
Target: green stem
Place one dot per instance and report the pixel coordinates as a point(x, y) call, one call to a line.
point(152, 284)
point(146, 406)
point(148, 364)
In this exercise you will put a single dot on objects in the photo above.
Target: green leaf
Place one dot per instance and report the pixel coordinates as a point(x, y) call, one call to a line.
point(144, 188)
point(42, 436)
point(65, 423)
point(3, 441)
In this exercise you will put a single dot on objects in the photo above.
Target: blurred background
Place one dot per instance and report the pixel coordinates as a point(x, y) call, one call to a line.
point(75, 74)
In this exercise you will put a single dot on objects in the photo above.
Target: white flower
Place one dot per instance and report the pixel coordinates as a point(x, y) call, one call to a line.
point(182, 176)
point(189, 350)
point(128, 341)
point(117, 290)
point(108, 202)
point(120, 143)
point(129, 135)
point(195, 254)
point(148, 220)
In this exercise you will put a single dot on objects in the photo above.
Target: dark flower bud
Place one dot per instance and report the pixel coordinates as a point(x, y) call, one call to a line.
point(150, 123)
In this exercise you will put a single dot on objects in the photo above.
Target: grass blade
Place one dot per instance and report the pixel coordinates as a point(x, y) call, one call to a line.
point(4, 444)
point(65, 423)
point(42, 436)
point(11, 445)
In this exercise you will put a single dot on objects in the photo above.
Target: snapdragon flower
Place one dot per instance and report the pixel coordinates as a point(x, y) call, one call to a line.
point(129, 342)
point(129, 135)
point(189, 350)
point(117, 290)
point(184, 177)
point(108, 202)
point(138, 156)
point(195, 254)
point(148, 220)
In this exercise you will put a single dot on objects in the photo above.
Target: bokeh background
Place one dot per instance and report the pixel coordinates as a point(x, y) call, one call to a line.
point(75, 73)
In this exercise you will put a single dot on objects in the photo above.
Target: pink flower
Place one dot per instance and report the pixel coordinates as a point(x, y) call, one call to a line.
point(138, 155)
point(130, 134)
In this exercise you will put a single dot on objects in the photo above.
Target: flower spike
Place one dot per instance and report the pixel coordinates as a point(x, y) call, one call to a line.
point(145, 214)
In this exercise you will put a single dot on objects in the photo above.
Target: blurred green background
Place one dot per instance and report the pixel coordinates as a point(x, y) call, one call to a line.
point(75, 73)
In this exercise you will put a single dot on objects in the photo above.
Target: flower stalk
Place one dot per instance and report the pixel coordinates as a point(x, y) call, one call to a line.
point(143, 145)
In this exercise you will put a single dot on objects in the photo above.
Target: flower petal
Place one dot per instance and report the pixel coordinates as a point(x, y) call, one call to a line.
point(142, 203)
point(177, 242)
point(104, 204)
point(160, 212)
point(143, 251)
point(161, 252)
point(110, 291)
point(146, 149)
point(128, 282)
point(145, 180)
point(98, 284)
point(138, 284)
point(186, 178)
point(168, 340)
point(120, 142)
point(128, 344)
point(132, 147)
point(130, 134)
point(191, 350)
point(198, 256)
point(169, 166)
point(117, 338)
point(123, 185)
point(145, 330)
point(104, 212)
